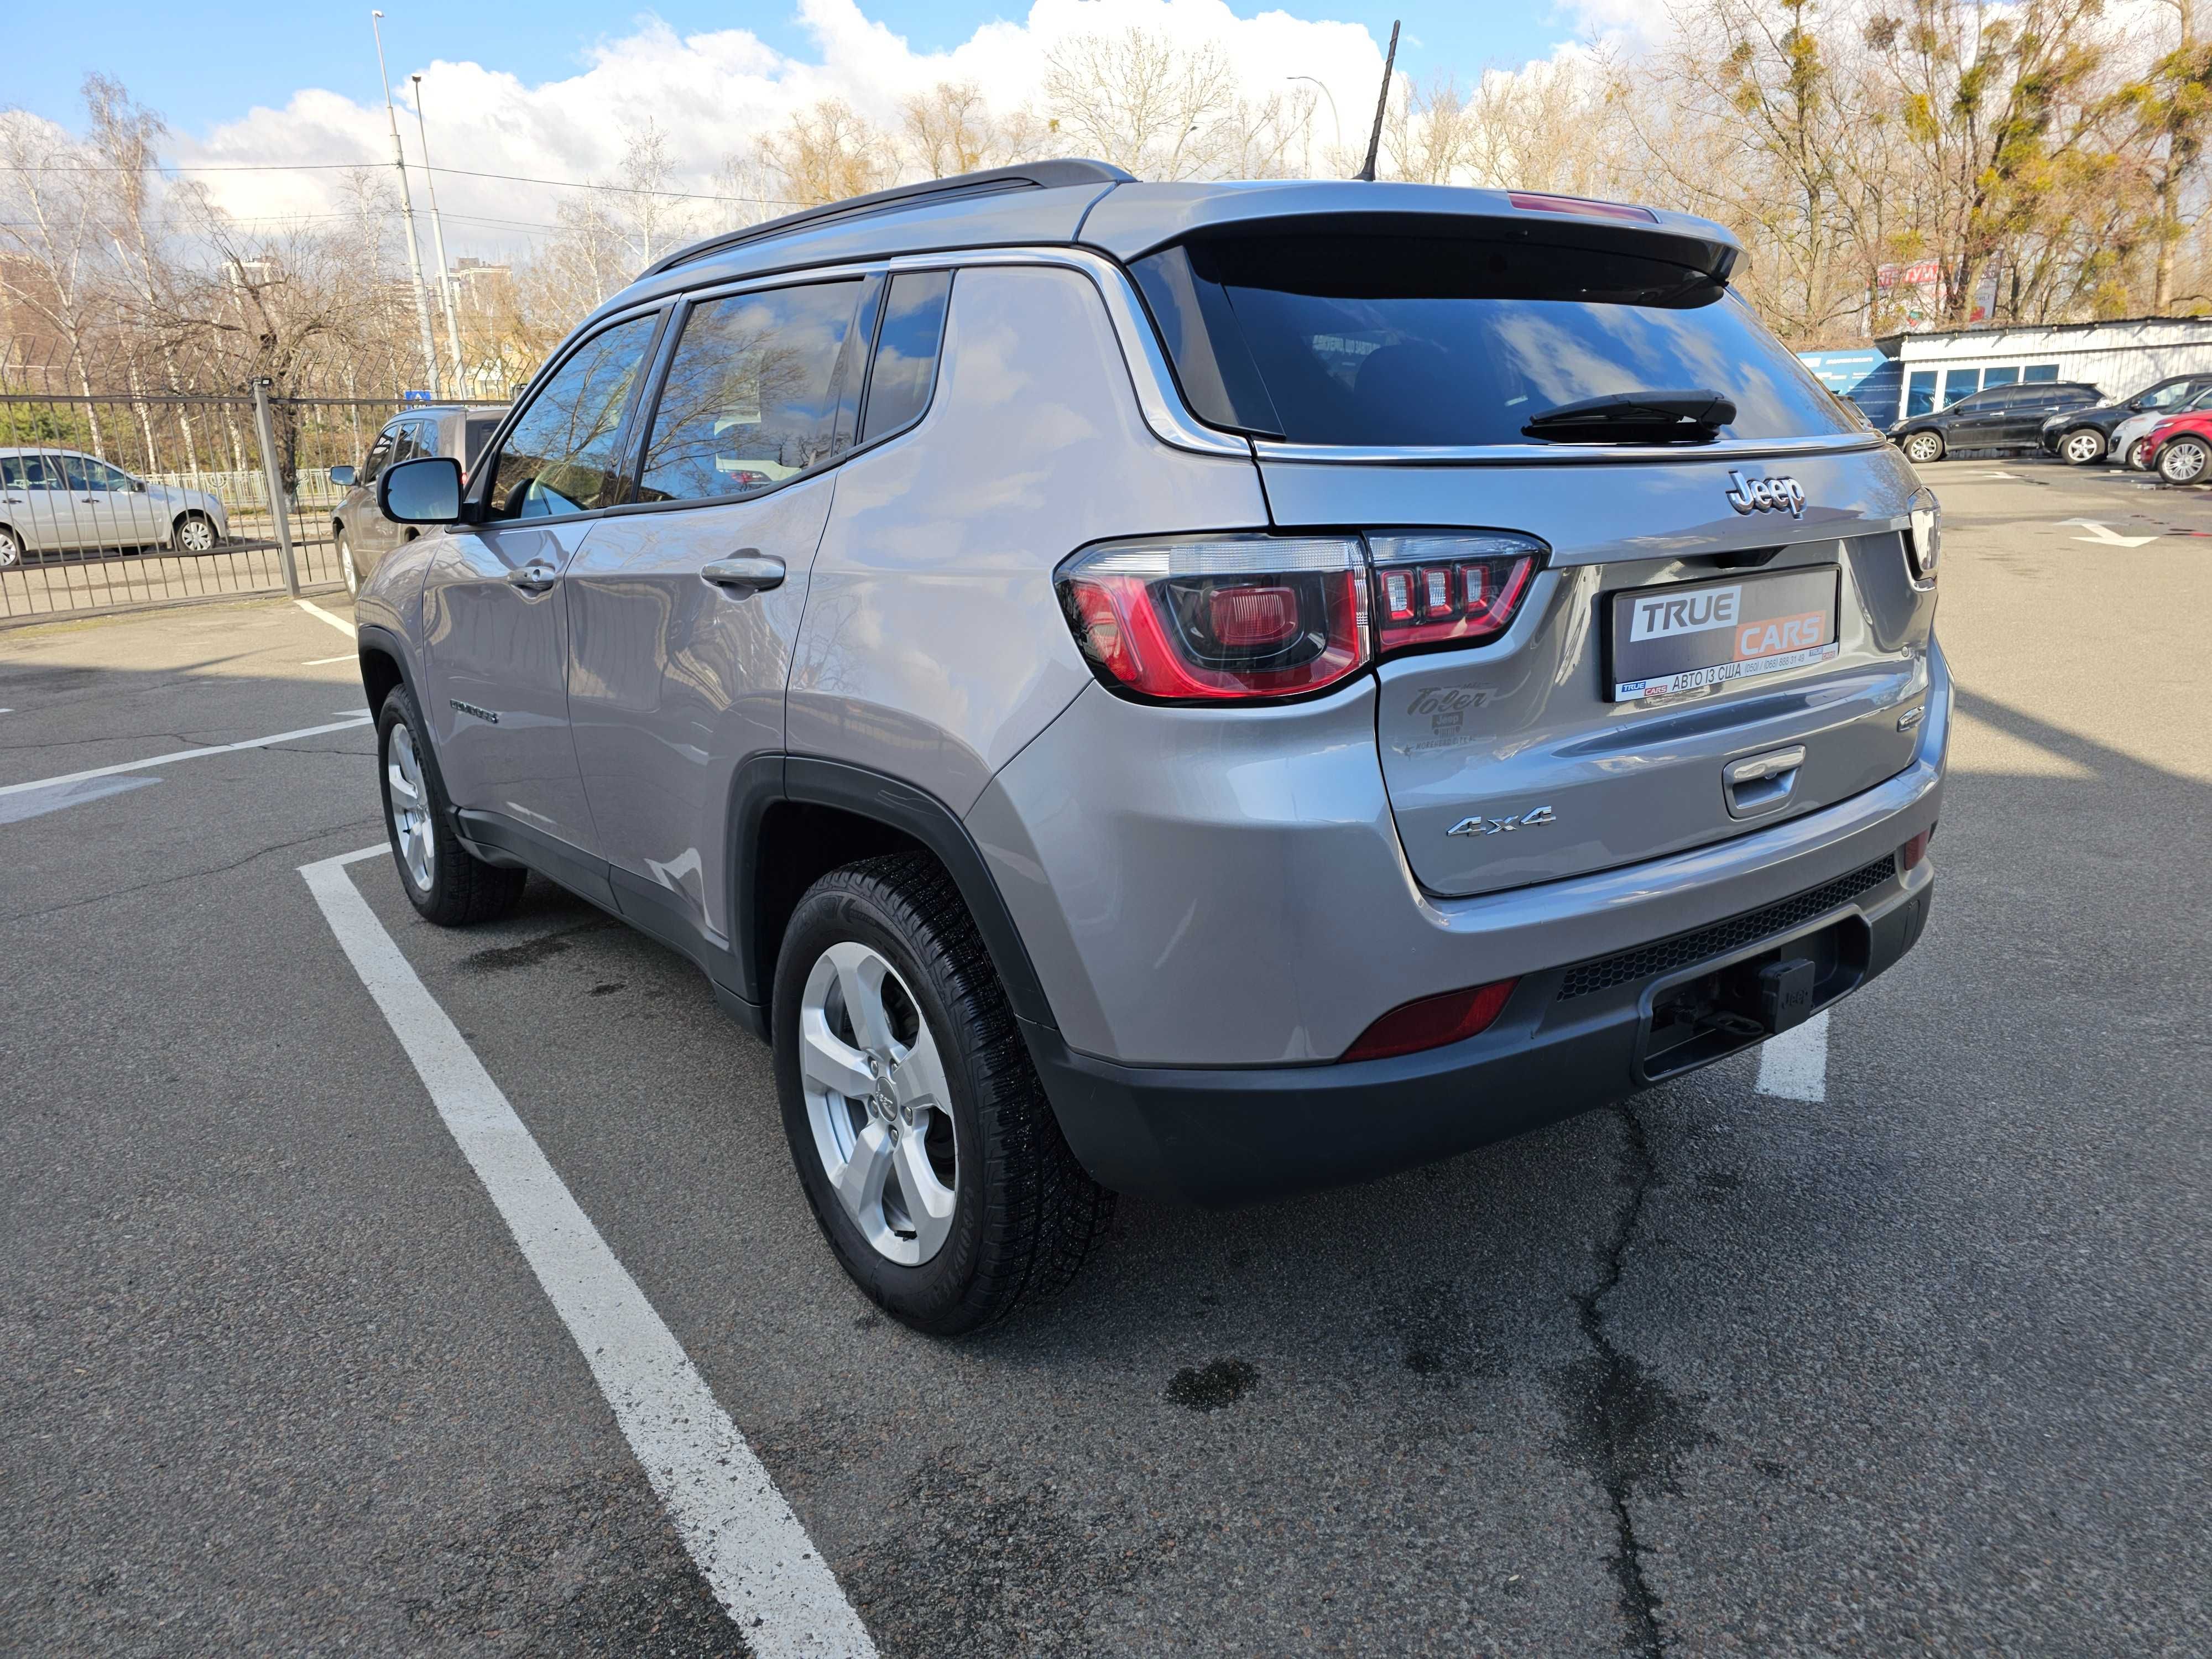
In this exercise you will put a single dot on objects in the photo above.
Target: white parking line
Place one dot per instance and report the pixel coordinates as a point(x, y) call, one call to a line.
point(324, 662)
point(321, 615)
point(345, 725)
point(1795, 1064)
point(751, 1547)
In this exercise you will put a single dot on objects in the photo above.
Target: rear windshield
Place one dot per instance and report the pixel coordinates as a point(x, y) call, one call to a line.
point(477, 433)
point(1451, 341)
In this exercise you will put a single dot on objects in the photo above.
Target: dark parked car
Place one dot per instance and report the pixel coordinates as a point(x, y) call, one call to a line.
point(1996, 417)
point(2082, 436)
point(365, 535)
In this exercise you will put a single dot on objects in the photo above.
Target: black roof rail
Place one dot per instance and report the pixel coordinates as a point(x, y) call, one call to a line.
point(1035, 175)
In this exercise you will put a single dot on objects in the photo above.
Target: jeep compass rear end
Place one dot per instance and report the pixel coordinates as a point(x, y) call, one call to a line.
point(1213, 689)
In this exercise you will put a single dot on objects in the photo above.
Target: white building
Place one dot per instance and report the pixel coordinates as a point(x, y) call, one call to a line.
point(1934, 370)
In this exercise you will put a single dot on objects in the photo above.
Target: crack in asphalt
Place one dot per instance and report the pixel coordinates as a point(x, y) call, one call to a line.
point(323, 834)
point(1619, 1398)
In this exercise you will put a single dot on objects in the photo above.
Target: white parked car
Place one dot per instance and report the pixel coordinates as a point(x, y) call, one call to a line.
point(59, 501)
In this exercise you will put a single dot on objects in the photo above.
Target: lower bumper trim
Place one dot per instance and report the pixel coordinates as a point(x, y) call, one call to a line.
point(1233, 1135)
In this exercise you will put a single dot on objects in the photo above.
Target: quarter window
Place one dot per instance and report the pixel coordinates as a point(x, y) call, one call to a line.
point(562, 455)
point(906, 352)
point(751, 399)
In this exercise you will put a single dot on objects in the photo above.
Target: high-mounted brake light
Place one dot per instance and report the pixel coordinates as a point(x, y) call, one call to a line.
point(1244, 617)
point(1532, 202)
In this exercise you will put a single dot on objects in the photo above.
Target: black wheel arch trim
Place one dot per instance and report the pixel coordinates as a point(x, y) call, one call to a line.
point(768, 780)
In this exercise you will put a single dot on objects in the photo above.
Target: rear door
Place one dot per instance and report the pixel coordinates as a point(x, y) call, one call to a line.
point(1721, 628)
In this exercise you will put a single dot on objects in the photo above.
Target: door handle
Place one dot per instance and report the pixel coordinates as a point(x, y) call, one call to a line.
point(533, 578)
point(748, 570)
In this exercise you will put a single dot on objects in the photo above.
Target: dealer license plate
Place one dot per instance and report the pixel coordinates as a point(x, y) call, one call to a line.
point(1688, 636)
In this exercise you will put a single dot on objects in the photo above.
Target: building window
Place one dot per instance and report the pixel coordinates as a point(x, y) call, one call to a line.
point(2040, 372)
point(1920, 393)
point(1960, 383)
point(1999, 377)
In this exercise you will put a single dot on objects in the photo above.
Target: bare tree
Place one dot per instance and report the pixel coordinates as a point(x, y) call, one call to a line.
point(1142, 102)
point(952, 129)
point(50, 217)
point(828, 153)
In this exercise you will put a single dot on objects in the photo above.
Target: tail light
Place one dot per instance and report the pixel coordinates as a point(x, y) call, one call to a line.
point(1448, 590)
point(1239, 618)
point(1925, 541)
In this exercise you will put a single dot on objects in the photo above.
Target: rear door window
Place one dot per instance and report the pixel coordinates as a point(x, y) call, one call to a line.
point(478, 433)
point(751, 394)
point(906, 350)
point(563, 455)
point(1456, 341)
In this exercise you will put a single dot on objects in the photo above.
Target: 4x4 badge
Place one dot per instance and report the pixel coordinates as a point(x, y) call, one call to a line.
point(1534, 818)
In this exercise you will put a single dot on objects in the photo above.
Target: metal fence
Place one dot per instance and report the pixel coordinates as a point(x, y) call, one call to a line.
point(115, 501)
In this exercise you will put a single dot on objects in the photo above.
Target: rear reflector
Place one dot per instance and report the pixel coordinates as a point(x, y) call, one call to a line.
point(1530, 202)
point(1432, 1022)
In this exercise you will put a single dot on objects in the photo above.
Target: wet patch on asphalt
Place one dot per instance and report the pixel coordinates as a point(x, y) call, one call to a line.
point(1210, 1387)
point(506, 959)
point(593, 1566)
point(976, 1561)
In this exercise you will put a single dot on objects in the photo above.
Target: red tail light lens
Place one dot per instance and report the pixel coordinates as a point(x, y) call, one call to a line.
point(1447, 589)
point(1226, 618)
point(1432, 1022)
point(1243, 617)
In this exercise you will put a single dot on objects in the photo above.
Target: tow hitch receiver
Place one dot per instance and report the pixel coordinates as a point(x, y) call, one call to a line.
point(1704, 1016)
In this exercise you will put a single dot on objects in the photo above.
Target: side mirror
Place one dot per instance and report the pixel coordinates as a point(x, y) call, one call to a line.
point(342, 477)
point(423, 491)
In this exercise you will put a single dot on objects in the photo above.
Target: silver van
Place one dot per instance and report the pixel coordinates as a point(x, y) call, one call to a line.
point(1201, 689)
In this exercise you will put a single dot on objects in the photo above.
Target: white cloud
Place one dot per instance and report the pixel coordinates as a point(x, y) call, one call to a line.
point(713, 92)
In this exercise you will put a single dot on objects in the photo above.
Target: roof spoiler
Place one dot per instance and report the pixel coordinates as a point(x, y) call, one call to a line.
point(1035, 175)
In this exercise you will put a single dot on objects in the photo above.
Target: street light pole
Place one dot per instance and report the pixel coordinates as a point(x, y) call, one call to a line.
point(1334, 119)
point(438, 245)
point(407, 204)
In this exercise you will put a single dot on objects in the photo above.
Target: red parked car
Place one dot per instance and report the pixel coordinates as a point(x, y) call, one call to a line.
point(2180, 450)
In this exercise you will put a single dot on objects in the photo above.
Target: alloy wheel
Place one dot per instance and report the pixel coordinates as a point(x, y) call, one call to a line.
point(2183, 461)
point(345, 566)
point(1923, 446)
point(2083, 447)
point(196, 534)
point(411, 806)
point(11, 550)
point(877, 1103)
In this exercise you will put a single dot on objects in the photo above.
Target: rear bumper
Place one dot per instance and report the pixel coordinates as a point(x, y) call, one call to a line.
point(1230, 1135)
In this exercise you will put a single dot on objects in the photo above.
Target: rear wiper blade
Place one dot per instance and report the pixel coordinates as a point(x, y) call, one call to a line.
point(1692, 416)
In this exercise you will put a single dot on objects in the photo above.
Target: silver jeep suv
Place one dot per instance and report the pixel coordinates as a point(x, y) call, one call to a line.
point(1203, 689)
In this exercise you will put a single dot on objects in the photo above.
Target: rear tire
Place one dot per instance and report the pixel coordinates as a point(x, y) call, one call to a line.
point(1015, 1214)
point(445, 881)
point(2184, 460)
point(1923, 447)
point(2083, 446)
point(11, 549)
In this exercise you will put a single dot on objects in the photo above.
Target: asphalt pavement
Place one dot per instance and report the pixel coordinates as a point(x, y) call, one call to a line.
point(1919, 1366)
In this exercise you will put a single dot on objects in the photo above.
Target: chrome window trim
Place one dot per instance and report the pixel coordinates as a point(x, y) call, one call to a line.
point(1737, 449)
